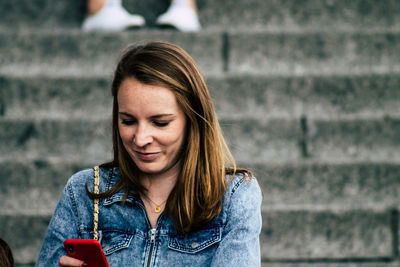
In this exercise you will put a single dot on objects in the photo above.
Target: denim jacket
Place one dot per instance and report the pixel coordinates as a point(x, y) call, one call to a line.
point(127, 238)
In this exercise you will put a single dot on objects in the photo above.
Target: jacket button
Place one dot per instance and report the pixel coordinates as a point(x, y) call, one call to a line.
point(195, 245)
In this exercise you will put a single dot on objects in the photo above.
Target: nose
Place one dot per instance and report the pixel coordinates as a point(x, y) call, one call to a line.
point(142, 136)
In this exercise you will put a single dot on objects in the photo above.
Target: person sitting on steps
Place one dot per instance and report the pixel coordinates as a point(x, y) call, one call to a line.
point(110, 15)
point(172, 195)
point(6, 256)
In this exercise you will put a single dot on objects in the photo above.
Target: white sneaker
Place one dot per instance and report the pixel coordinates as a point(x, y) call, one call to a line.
point(112, 17)
point(180, 16)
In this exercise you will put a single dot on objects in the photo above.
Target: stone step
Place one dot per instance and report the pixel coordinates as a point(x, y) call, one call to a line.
point(51, 97)
point(56, 138)
point(363, 139)
point(337, 184)
point(286, 235)
point(271, 14)
point(311, 96)
point(328, 234)
point(25, 14)
point(24, 234)
point(251, 140)
point(241, 95)
point(78, 139)
point(35, 186)
point(327, 96)
point(281, 15)
point(314, 52)
point(74, 53)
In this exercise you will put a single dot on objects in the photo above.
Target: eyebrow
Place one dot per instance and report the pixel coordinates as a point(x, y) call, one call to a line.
point(158, 116)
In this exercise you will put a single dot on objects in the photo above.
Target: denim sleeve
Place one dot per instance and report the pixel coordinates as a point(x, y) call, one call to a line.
point(63, 225)
point(240, 245)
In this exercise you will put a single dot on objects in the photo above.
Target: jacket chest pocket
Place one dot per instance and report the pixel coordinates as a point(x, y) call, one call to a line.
point(197, 241)
point(112, 241)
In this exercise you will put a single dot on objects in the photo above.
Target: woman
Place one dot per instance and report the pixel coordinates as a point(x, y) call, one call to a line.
point(169, 197)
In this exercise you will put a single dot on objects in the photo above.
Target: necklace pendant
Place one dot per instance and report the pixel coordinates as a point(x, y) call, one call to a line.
point(157, 209)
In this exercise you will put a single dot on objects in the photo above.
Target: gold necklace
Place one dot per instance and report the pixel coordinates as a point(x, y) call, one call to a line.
point(157, 209)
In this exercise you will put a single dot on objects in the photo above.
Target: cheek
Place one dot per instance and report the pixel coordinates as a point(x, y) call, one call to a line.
point(176, 138)
point(169, 140)
point(124, 133)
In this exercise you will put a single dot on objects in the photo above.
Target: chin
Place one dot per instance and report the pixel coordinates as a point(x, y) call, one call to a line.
point(150, 169)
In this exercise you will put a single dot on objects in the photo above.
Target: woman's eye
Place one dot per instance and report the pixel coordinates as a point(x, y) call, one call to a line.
point(160, 123)
point(128, 122)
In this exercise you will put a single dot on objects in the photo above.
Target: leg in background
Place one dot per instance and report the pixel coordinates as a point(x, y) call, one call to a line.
point(181, 14)
point(109, 15)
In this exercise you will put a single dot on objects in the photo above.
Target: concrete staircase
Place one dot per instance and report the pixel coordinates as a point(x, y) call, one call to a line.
point(307, 92)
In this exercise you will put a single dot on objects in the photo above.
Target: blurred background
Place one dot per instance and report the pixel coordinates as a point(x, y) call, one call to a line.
point(307, 93)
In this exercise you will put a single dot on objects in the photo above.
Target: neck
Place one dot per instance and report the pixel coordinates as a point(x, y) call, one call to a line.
point(159, 186)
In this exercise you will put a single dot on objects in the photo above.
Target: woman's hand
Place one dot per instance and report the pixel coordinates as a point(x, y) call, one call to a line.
point(66, 261)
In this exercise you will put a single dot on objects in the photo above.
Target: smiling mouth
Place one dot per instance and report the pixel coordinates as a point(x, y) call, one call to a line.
point(147, 156)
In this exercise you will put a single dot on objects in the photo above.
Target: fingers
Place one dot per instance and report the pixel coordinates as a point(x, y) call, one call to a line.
point(66, 261)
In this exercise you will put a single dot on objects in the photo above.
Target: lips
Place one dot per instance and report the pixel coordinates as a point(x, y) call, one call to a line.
point(147, 156)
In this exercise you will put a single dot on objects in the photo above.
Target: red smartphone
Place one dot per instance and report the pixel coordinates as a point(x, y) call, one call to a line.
point(87, 250)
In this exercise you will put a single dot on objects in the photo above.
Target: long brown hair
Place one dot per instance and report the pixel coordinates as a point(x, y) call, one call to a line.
point(197, 196)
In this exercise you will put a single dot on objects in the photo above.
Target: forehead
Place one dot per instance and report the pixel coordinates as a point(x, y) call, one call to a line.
point(134, 95)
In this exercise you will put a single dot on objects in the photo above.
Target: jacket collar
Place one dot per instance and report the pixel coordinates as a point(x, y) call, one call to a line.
point(111, 178)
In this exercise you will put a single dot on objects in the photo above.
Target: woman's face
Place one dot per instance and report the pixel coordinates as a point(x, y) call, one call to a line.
point(151, 126)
